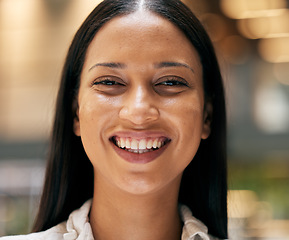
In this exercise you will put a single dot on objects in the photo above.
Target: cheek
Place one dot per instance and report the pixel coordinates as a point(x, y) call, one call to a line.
point(190, 130)
point(189, 115)
point(188, 121)
point(95, 110)
point(95, 115)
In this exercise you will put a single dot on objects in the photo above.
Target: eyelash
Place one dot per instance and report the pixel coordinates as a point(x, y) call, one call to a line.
point(173, 81)
point(107, 82)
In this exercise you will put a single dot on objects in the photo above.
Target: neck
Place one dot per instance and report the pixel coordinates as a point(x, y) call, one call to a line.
point(119, 215)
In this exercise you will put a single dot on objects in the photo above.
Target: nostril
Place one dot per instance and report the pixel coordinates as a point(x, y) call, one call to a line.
point(139, 115)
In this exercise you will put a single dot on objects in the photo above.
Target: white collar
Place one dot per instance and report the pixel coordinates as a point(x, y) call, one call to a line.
point(193, 228)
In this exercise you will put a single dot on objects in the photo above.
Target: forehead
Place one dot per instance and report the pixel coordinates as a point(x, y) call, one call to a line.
point(144, 33)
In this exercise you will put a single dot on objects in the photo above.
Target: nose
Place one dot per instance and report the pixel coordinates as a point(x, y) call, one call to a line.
point(139, 107)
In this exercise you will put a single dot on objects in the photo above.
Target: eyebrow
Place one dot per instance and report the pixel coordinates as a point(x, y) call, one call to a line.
point(173, 64)
point(157, 65)
point(109, 65)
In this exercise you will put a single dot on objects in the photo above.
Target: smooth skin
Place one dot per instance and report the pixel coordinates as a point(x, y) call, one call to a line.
point(141, 77)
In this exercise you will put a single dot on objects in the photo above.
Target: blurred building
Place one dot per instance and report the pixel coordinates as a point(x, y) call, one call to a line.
point(252, 41)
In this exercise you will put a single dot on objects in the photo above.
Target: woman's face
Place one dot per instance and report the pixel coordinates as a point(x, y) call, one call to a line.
point(141, 103)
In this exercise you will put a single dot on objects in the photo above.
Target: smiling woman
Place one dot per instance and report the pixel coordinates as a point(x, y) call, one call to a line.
point(140, 129)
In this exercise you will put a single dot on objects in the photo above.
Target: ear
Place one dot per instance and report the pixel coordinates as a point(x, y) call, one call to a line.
point(76, 125)
point(207, 120)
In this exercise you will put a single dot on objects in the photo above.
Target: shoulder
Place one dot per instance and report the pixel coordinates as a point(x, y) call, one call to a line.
point(76, 227)
point(54, 233)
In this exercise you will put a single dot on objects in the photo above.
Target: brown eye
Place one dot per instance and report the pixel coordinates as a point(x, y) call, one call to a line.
point(171, 85)
point(109, 85)
point(107, 82)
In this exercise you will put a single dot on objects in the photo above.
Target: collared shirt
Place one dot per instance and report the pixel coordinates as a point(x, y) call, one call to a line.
point(77, 227)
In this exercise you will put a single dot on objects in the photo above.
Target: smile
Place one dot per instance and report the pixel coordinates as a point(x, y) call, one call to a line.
point(139, 146)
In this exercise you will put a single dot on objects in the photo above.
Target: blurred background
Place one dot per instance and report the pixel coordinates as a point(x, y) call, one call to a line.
point(252, 41)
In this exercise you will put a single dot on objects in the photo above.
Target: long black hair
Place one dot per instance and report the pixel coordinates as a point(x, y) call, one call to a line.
point(69, 174)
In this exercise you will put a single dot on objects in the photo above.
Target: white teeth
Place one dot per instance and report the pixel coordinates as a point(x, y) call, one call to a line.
point(159, 144)
point(127, 143)
point(150, 144)
point(122, 143)
point(139, 146)
point(142, 144)
point(137, 151)
point(134, 144)
point(155, 143)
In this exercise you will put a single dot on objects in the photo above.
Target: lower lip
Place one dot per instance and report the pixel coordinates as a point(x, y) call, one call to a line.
point(140, 158)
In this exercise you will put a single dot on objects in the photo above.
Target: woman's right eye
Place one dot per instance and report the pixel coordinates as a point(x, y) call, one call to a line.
point(107, 82)
point(109, 86)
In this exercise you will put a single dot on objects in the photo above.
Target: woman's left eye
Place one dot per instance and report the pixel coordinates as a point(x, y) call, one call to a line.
point(171, 85)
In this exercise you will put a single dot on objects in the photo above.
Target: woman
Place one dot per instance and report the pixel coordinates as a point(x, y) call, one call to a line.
point(140, 129)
